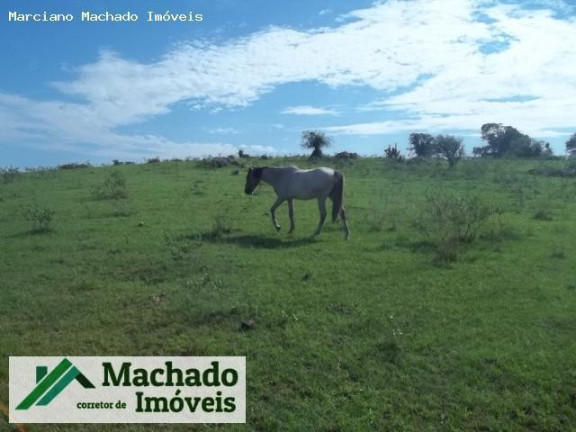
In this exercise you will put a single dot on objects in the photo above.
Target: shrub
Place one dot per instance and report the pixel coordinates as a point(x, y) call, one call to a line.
point(568, 171)
point(218, 162)
point(393, 153)
point(74, 165)
point(41, 218)
point(8, 175)
point(449, 220)
point(114, 187)
point(543, 214)
point(122, 208)
point(221, 226)
point(346, 155)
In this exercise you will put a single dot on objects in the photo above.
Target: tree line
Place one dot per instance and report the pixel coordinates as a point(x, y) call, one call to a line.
point(500, 141)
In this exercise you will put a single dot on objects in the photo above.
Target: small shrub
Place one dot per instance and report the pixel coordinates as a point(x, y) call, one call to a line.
point(375, 221)
point(41, 218)
point(74, 165)
point(449, 220)
point(218, 162)
point(498, 230)
point(543, 215)
point(393, 153)
point(543, 210)
point(114, 187)
point(568, 171)
point(558, 254)
point(153, 160)
point(8, 175)
point(346, 155)
point(122, 208)
point(221, 226)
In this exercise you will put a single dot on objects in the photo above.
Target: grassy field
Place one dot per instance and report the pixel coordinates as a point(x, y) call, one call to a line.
point(401, 328)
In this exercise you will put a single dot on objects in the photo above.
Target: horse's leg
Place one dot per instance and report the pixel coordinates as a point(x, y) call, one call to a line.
point(291, 214)
point(273, 212)
point(322, 208)
point(345, 226)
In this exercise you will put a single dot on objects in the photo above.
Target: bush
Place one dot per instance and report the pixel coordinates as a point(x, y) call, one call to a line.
point(393, 153)
point(8, 175)
point(122, 208)
point(221, 226)
point(568, 171)
point(218, 162)
point(41, 218)
point(346, 155)
point(74, 165)
point(449, 220)
point(114, 187)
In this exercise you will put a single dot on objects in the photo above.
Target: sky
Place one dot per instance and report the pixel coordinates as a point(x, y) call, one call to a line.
point(254, 74)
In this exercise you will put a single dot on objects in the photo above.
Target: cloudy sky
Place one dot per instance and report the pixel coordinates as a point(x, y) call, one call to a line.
point(253, 74)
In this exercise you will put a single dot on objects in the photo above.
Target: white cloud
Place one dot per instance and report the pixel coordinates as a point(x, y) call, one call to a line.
point(77, 128)
point(309, 111)
point(223, 131)
point(476, 88)
point(435, 63)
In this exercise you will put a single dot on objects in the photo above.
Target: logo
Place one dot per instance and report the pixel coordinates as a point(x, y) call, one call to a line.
point(50, 385)
point(126, 389)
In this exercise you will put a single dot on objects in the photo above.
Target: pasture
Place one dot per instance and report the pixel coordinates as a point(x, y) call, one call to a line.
point(382, 332)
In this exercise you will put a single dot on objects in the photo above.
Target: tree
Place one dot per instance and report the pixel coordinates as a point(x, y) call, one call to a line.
point(548, 152)
point(507, 141)
point(315, 140)
point(571, 146)
point(450, 148)
point(422, 145)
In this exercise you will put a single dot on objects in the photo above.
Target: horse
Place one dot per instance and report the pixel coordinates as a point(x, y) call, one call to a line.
point(291, 183)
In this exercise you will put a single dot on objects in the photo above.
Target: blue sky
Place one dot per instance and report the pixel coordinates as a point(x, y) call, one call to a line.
point(253, 75)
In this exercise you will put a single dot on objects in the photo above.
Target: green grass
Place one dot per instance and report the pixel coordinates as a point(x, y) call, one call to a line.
point(369, 334)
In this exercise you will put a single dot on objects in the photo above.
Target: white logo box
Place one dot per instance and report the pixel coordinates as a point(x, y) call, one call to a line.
point(127, 389)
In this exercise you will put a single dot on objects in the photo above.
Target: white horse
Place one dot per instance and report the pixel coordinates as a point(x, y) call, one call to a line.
point(291, 183)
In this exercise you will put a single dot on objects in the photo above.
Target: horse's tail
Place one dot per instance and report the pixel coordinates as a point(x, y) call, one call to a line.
point(337, 195)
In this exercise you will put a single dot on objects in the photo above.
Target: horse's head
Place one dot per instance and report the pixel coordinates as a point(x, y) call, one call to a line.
point(253, 180)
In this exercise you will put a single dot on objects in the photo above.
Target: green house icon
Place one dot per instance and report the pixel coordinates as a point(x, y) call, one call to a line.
point(50, 385)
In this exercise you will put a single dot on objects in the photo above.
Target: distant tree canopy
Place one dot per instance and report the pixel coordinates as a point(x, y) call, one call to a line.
point(450, 148)
point(422, 145)
point(317, 141)
point(571, 145)
point(502, 141)
point(446, 147)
